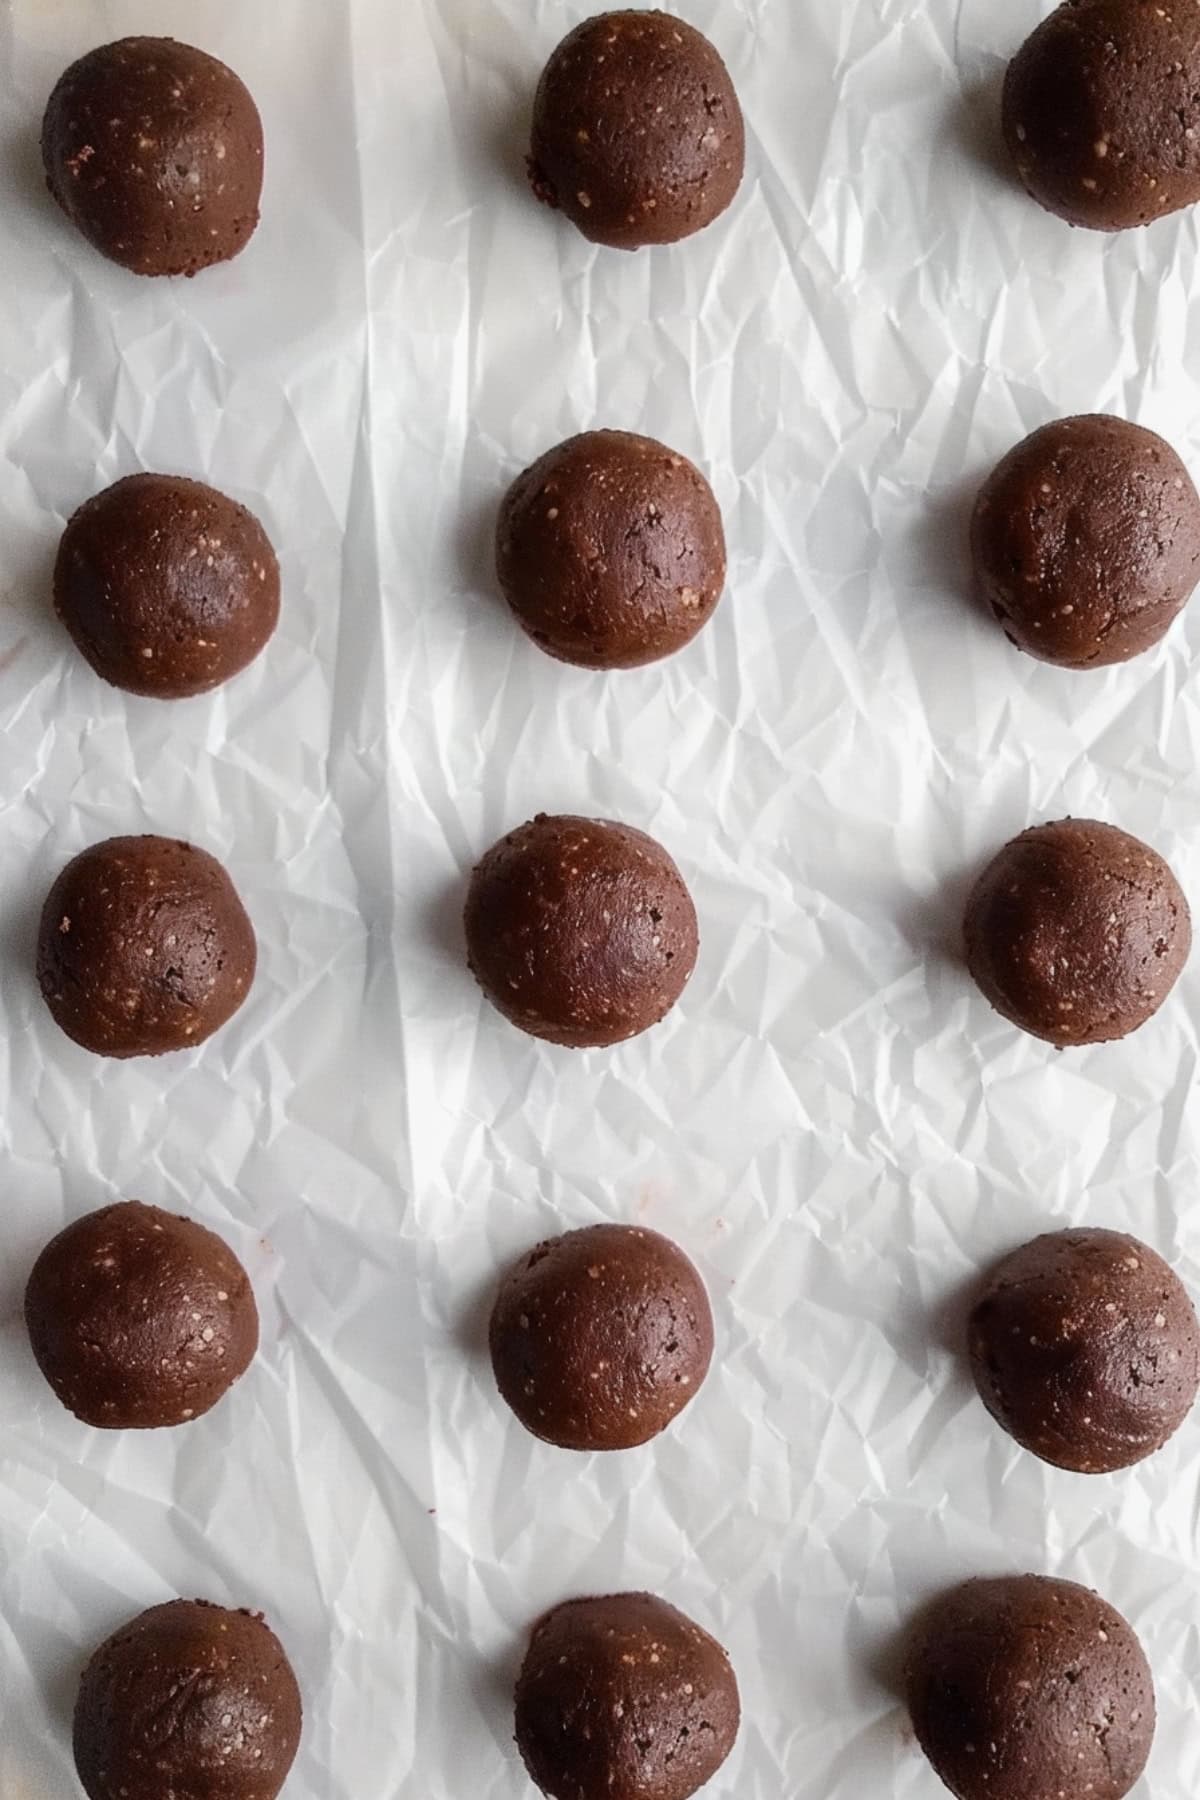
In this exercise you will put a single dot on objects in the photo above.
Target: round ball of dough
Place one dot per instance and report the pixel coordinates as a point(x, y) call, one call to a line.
point(1024, 1688)
point(1086, 541)
point(1101, 111)
point(144, 947)
point(610, 550)
point(140, 1319)
point(1077, 932)
point(167, 587)
point(155, 151)
point(1085, 1347)
point(637, 132)
point(187, 1699)
point(600, 1337)
point(580, 931)
point(624, 1698)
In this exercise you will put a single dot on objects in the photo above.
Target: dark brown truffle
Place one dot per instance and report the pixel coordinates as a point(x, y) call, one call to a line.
point(1085, 1347)
point(1077, 932)
point(637, 131)
point(188, 1700)
point(167, 587)
point(144, 947)
point(1023, 1688)
point(610, 550)
point(139, 1319)
point(1086, 541)
point(580, 931)
point(1102, 111)
point(155, 151)
point(600, 1337)
point(624, 1699)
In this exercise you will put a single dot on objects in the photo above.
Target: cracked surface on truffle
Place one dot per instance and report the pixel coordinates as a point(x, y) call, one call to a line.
point(1077, 932)
point(1086, 541)
point(611, 551)
point(155, 152)
point(580, 931)
point(1026, 1688)
point(139, 1318)
point(144, 947)
point(189, 1701)
point(624, 1698)
point(1085, 1347)
point(1101, 111)
point(601, 1336)
point(637, 132)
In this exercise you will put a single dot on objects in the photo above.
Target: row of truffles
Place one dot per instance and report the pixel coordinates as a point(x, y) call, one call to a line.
point(1019, 1688)
point(1084, 1346)
point(582, 932)
point(620, 1697)
point(154, 150)
point(610, 551)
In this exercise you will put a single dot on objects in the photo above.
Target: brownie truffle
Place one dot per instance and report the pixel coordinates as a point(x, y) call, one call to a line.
point(1086, 541)
point(624, 1698)
point(1024, 1688)
point(1077, 932)
point(637, 131)
point(167, 587)
point(140, 1319)
point(580, 931)
point(610, 550)
point(155, 151)
point(190, 1700)
point(144, 947)
point(1085, 1347)
point(600, 1337)
point(1102, 111)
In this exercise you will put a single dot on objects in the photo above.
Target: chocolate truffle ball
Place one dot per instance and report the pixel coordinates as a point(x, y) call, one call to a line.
point(580, 931)
point(1077, 932)
point(1102, 111)
point(155, 151)
point(600, 1337)
point(144, 947)
point(167, 587)
point(190, 1700)
point(1086, 541)
point(637, 132)
point(1024, 1688)
point(624, 1698)
point(139, 1319)
point(610, 550)
point(1085, 1347)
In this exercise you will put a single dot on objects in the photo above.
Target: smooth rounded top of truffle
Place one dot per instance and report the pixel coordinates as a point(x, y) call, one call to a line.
point(580, 931)
point(139, 1318)
point(624, 1698)
point(1086, 541)
point(167, 587)
point(599, 1337)
point(190, 1700)
point(144, 947)
point(155, 151)
point(610, 550)
point(1102, 111)
point(1024, 1688)
point(1077, 932)
point(637, 131)
point(1085, 1347)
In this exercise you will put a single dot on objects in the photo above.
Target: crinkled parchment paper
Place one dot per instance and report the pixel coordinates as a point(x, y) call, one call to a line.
point(832, 1122)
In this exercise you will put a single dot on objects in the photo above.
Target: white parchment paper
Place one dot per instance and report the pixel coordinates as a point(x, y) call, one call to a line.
point(832, 1122)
